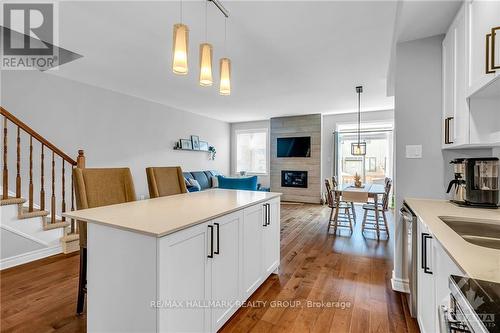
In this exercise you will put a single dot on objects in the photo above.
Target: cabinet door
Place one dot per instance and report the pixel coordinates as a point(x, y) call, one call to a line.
point(184, 279)
point(448, 87)
point(271, 239)
point(225, 268)
point(445, 267)
point(251, 245)
point(461, 108)
point(483, 16)
point(427, 308)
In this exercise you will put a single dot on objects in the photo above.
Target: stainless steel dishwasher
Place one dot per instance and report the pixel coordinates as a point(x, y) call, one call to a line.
point(409, 223)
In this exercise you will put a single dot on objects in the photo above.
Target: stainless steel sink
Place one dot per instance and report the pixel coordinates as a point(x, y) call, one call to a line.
point(480, 232)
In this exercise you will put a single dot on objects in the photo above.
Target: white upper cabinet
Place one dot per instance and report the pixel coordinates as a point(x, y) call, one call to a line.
point(455, 108)
point(482, 17)
point(471, 92)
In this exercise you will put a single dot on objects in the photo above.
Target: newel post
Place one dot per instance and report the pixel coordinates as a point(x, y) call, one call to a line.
point(80, 160)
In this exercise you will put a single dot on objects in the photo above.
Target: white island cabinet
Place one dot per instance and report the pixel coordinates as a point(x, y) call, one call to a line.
point(184, 263)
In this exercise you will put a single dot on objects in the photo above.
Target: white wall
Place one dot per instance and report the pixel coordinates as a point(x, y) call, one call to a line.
point(330, 123)
point(264, 180)
point(114, 129)
point(418, 102)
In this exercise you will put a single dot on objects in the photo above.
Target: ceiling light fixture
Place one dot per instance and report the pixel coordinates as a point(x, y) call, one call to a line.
point(359, 148)
point(225, 68)
point(206, 58)
point(180, 47)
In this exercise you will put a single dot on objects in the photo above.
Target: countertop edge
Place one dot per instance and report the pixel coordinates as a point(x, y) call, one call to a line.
point(273, 195)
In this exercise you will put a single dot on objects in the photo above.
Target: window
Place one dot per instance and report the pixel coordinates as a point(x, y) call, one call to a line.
point(251, 151)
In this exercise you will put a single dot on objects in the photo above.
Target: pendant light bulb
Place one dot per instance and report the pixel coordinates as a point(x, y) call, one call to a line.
point(225, 77)
point(180, 49)
point(206, 65)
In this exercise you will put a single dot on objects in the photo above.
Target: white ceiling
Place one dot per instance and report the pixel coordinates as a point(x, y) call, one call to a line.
point(288, 57)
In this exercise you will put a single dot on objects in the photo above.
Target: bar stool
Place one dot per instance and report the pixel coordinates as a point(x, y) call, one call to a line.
point(96, 188)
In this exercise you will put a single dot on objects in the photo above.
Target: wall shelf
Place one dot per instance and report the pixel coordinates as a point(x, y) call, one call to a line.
point(178, 148)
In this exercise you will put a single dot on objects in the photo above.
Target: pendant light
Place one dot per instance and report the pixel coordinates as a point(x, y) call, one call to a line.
point(206, 58)
point(180, 47)
point(359, 148)
point(225, 69)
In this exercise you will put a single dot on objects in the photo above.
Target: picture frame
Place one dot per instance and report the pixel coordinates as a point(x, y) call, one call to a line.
point(186, 144)
point(204, 145)
point(195, 140)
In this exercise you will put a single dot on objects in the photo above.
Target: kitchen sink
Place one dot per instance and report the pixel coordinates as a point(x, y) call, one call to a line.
point(482, 232)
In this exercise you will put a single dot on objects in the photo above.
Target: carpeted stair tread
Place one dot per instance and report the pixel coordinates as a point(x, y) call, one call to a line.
point(12, 201)
point(24, 213)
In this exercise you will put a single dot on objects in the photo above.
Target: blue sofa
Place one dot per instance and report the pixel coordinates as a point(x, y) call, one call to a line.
point(245, 183)
point(204, 178)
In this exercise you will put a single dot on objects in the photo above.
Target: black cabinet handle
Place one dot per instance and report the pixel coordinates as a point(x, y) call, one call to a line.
point(265, 215)
point(268, 207)
point(218, 238)
point(447, 140)
point(211, 255)
point(423, 250)
point(425, 236)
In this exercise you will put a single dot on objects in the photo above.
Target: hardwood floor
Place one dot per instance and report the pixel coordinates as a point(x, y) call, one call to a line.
point(353, 271)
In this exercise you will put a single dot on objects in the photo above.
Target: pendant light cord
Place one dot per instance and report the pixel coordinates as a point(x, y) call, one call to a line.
point(225, 36)
point(359, 118)
point(180, 10)
point(206, 21)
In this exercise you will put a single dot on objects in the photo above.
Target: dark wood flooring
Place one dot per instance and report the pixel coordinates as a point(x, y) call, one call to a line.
point(353, 270)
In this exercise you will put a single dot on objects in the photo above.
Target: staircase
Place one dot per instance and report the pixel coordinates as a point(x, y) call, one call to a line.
point(49, 159)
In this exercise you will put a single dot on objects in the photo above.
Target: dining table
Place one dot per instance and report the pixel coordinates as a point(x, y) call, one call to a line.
point(373, 190)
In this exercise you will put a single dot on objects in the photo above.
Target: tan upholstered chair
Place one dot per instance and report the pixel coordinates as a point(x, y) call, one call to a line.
point(96, 188)
point(164, 181)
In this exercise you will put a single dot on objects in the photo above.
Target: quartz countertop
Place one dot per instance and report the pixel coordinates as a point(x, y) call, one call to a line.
point(476, 261)
point(165, 215)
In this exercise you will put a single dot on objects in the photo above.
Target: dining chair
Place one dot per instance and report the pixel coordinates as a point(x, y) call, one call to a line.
point(165, 181)
point(353, 210)
point(382, 207)
point(96, 187)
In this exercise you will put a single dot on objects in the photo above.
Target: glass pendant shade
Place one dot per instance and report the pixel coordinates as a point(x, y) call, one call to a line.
point(358, 148)
point(225, 77)
point(180, 49)
point(206, 65)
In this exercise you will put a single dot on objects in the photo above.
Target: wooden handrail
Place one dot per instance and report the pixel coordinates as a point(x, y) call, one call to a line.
point(36, 136)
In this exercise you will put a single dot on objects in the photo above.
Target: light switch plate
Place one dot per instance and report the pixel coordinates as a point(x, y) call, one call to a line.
point(413, 151)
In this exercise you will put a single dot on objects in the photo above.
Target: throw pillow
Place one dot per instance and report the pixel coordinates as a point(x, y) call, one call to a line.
point(215, 181)
point(194, 183)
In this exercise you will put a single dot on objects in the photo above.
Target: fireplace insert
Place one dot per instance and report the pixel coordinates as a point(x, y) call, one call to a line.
point(294, 178)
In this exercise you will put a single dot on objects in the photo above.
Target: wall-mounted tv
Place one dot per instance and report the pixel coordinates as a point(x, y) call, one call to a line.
point(294, 147)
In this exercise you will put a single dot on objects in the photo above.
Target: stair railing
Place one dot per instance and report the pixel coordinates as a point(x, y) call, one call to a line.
point(53, 152)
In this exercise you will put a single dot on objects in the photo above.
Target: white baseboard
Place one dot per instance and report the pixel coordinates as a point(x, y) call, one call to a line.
point(401, 285)
point(30, 256)
point(23, 234)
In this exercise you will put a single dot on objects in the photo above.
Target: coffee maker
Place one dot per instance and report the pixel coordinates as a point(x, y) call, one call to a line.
point(458, 183)
point(481, 182)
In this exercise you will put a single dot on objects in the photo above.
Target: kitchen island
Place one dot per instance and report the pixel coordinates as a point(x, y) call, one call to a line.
point(183, 263)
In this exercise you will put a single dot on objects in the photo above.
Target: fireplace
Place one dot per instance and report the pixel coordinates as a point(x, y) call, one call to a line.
point(294, 179)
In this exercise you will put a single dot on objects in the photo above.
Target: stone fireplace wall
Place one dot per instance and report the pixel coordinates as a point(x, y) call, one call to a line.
point(296, 126)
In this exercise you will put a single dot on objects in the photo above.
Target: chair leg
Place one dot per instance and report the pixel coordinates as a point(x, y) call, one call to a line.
point(353, 212)
point(349, 218)
point(365, 216)
point(384, 217)
point(330, 220)
point(82, 281)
